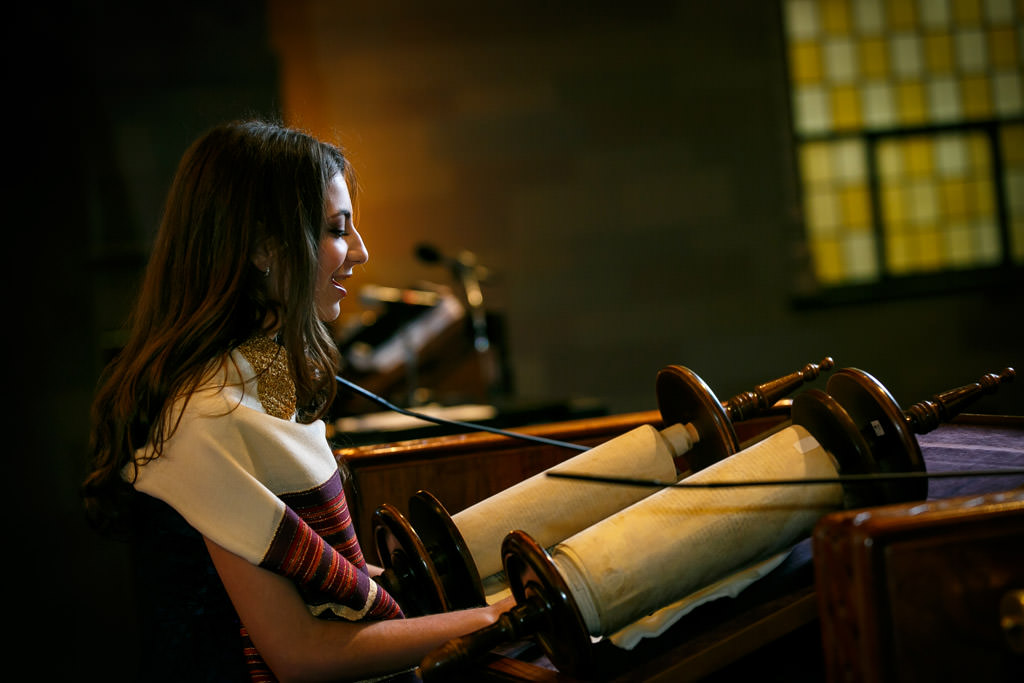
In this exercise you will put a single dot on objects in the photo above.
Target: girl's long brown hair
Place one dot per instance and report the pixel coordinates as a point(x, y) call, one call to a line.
point(242, 187)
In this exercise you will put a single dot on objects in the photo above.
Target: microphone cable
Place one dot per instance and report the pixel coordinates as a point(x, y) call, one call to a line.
point(471, 426)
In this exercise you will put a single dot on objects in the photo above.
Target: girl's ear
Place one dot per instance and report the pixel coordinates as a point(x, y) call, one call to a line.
point(262, 258)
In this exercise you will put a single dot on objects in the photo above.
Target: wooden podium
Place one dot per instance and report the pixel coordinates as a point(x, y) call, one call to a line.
point(924, 592)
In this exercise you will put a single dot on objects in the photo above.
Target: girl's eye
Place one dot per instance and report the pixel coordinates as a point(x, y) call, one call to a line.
point(338, 224)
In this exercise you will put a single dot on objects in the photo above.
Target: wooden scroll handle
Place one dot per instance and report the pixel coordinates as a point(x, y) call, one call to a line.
point(760, 400)
point(926, 415)
point(519, 622)
point(545, 611)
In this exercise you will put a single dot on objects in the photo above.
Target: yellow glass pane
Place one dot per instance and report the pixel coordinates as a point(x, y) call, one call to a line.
point(897, 253)
point(976, 95)
point(959, 245)
point(835, 16)
point(919, 157)
point(828, 261)
point(874, 58)
point(966, 12)
point(954, 200)
point(846, 111)
point(823, 216)
point(923, 204)
point(982, 197)
point(894, 207)
point(890, 162)
point(930, 251)
point(938, 52)
point(990, 249)
point(816, 163)
point(979, 153)
point(951, 155)
point(901, 15)
point(1002, 47)
point(810, 105)
point(911, 102)
point(1012, 139)
point(805, 62)
point(849, 162)
point(860, 261)
point(856, 207)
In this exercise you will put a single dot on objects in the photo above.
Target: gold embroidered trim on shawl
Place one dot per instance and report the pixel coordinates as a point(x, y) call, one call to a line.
point(274, 384)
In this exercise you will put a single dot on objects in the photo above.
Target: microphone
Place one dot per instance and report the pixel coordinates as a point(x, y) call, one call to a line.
point(464, 262)
point(428, 253)
point(469, 275)
point(379, 400)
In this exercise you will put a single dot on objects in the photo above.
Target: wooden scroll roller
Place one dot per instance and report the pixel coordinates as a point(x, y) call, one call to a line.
point(690, 534)
point(435, 562)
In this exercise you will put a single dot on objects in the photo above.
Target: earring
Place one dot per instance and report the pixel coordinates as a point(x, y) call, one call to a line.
point(266, 273)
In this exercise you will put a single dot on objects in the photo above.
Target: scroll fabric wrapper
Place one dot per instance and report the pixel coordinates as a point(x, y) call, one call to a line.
point(228, 469)
point(550, 510)
point(691, 538)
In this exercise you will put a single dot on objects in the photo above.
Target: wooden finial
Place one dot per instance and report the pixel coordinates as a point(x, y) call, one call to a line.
point(756, 402)
point(924, 416)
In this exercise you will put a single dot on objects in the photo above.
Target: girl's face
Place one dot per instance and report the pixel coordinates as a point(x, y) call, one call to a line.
point(341, 249)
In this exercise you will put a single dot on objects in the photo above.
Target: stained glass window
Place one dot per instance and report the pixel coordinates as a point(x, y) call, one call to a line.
point(909, 122)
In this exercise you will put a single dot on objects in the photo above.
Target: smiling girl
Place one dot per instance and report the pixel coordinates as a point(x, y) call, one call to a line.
point(208, 446)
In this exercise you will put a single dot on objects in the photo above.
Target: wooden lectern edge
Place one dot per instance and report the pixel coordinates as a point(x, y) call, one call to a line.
point(585, 431)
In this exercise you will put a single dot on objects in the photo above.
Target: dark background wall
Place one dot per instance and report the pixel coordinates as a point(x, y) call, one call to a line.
point(625, 169)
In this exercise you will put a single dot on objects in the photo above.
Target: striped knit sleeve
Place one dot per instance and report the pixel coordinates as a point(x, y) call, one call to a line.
point(316, 546)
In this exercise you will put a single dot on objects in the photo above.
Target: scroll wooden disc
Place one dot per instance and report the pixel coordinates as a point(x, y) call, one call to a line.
point(683, 398)
point(448, 550)
point(832, 427)
point(558, 626)
point(882, 423)
point(407, 565)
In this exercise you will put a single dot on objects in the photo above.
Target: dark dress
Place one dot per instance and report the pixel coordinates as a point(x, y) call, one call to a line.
point(189, 630)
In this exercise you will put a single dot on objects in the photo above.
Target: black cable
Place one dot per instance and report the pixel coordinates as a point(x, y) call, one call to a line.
point(471, 426)
point(881, 476)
